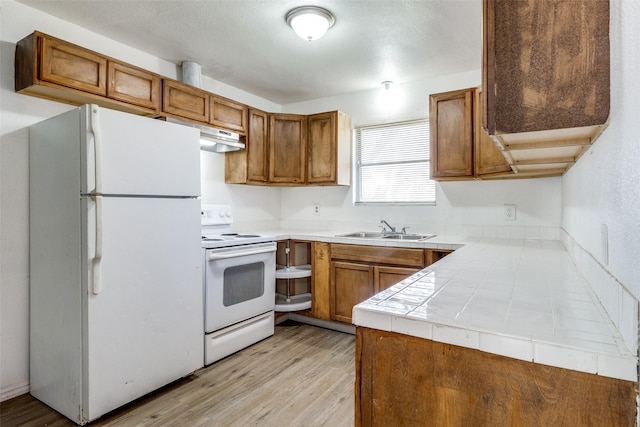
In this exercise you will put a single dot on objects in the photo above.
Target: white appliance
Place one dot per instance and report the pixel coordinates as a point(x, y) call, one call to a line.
point(115, 273)
point(239, 284)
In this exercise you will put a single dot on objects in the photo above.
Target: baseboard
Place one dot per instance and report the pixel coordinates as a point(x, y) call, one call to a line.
point(15, 391)
point(327, 324)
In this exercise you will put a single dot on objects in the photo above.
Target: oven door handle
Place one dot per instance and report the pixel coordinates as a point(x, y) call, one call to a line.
point(213, 256)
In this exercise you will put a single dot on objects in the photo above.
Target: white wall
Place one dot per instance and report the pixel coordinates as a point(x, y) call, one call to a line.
point(470, 208)
point(604, 186)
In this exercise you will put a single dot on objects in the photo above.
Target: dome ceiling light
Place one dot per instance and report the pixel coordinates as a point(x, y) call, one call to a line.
point(310, 22)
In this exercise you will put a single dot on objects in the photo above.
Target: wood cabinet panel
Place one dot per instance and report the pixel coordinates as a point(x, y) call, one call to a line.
point(228, 114)
point(351, 283)
point(133, 85)
point(460, 148)
point(403, 380)
point(320, 281)
point(70, 65)
point(451, 118)
point(378, 254)
point(546, 74)
point(386, 276)
point(489, 162)
point(287, 148)
point(186, 101)
point(257, 149)
point(435, 255)
point(329, 151)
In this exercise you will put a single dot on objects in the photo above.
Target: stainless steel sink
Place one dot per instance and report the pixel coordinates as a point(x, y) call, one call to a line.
point(374, 235)
point(408, 236)
point(363, 235)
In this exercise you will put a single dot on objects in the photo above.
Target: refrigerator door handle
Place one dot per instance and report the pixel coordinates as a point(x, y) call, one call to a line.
point(96, 284)
point(97, 142)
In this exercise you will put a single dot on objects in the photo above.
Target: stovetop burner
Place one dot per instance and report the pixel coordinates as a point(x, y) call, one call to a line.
point(216, 223)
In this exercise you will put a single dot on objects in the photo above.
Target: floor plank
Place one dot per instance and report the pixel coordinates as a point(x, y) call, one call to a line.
point(301, 376)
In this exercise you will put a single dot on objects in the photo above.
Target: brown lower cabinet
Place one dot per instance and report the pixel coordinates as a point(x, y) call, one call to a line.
point(358, 272)
point(407, 381)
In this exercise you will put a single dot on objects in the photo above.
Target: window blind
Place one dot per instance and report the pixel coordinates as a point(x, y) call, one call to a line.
point(393, 164)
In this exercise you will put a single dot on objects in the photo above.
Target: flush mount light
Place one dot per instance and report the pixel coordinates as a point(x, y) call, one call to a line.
point(387, 84)
point(310, 22)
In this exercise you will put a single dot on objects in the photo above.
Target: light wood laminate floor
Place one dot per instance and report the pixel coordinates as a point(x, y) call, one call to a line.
point(301, 376)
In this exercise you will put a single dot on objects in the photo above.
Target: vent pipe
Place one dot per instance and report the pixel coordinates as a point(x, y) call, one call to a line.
point(191, 72)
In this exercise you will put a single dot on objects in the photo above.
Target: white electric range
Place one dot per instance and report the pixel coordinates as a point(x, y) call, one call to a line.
point(239, 284)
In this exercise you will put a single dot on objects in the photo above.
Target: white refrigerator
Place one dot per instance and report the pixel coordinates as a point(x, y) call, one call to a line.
point(116, 300)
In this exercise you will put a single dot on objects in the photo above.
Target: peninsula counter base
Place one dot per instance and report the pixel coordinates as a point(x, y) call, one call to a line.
point(405, 380)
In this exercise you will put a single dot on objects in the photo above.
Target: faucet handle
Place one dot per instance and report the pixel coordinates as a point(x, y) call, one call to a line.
point(404, 230)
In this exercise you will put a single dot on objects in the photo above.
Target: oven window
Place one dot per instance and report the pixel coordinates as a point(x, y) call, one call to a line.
point(243, 283)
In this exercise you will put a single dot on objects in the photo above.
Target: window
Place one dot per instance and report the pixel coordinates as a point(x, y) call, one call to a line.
point(393, 164)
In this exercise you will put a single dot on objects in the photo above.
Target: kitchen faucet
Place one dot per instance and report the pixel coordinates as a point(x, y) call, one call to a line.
point(391, 229)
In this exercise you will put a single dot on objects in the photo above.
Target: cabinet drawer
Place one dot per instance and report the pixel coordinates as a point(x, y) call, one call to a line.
point(133, 85)
point(378, 255)
point(72, 66)
point(185, 101)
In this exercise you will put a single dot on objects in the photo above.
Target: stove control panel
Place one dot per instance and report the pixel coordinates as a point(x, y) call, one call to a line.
point(215, 214)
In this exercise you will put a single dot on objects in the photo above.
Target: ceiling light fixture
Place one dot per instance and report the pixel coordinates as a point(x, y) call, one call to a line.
point(387, 84)
point(310, 22)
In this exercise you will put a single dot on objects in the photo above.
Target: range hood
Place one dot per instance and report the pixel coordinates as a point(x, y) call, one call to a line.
point(215, 140)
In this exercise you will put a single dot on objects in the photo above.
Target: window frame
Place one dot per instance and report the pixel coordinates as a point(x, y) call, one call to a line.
point(357, 173)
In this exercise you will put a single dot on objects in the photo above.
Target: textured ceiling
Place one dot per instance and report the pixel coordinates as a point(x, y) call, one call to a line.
point(247, 43)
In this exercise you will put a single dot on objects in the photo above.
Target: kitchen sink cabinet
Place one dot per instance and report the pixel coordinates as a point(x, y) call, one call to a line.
point(228, 114)
point(546, 74)
point(329, 151)
point(287, 148)
point(358, 272)
point(459, 148)
point(185, 101)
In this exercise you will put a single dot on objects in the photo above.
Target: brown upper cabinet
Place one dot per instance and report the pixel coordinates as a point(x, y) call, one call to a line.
point(51, 68)
point(185, 101)
point(459, 148)
point(329, 159)
point(546, 68)
point(293, 149)
point(287, 148)
point(133, 85)
point(228, 114)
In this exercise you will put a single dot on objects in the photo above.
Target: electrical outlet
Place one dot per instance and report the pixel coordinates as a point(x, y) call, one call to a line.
point(509, 212)
point(316, 209)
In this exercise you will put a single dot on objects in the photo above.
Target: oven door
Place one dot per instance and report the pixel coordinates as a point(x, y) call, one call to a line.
point(239, 283)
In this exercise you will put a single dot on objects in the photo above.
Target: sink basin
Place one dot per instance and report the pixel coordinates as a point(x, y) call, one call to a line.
point(374, 235)
point(363, 235)
point(408, 236)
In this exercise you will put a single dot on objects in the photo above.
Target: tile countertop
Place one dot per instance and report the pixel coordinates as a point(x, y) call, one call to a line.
point(518, 298)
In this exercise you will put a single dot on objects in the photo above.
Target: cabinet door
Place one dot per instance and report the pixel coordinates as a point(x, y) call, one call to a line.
point(320, 282)
point(385, 276)
point(228, 114)
point(488, 159)
point(133, 85)
point(451, 124)
point(351, 284)
point(185, 101)
point(257, 147)
point(287, 148)
point(72, 66)
point(322, 161)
